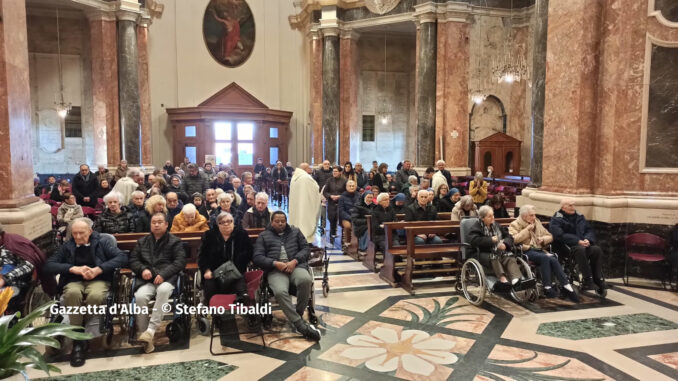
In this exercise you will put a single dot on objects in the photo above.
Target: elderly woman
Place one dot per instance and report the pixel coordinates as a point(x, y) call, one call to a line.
point(222, 243)
point(382, 213)
point(115, 218)
point(362, 208)
point(58, 191)
point(464, 208)
point(442, 199)
point(209, 205)
point(136, 204)
point(478, 189)
point(155, 204)
point(189, 221)
point(347, 202)
point(257, 216)
point(225, 202)
point(412, 180)
point(67, 213)
point(528, 232)
point(494, 243)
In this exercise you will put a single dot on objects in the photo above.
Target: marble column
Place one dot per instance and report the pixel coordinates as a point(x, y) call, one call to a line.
point(331, 94)
point(426, 91)
point(451, 96)
point(316, 94)
point(348, 88)
point(144, 94)
point(105, 114)
point(128, 84)
point(571, 96)
point(541, 11)
point(20, 211)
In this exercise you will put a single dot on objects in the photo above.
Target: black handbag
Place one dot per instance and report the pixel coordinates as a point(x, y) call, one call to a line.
point(227, 273)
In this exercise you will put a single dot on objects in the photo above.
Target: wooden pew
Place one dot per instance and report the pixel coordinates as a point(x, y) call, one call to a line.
point(388, 271)
point(445, 257)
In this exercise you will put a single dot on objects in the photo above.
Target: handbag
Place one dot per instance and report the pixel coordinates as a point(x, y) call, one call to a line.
point(227, 273)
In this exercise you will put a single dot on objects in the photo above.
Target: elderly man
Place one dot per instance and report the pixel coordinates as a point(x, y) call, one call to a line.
point(221, 182)
point(323, 174)
point(257, 216)
point(103, 174)
point(210, 204)
point(85, 266)
point(305, 201)
point(361, 177)
point(528, 232)
point(236, 183)
point(440, 166)
point(209, 171)
point(189, 220)
point(403, 175)
point(174, 206)
point(282, 251)
point(156, 260)
point(194, 180)
point(169, 167)
point(84, 187)
point(115, 218)
point(422, 211)
point(136, 205)
point(569, 227)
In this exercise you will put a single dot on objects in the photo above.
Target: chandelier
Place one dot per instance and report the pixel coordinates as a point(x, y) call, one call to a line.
point(509, 68)
point(383, 107)
point(381, 6)
point(479, 91)
point(62, 108)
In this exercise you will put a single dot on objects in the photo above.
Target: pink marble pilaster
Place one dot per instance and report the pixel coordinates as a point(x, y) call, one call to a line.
point(316, 46)
point(16, 173)
point(348, 93)
point(571, 96)
point(106, 119)
point(144, 94)
point(452, 92)
point(516, 111)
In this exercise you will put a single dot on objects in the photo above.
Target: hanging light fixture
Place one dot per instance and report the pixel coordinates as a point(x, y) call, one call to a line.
point(509, 68)
point(61, 106)
point(479, 92)
point(383, 108)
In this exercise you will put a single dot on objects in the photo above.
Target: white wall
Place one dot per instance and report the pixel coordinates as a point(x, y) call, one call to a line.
point(183, 74)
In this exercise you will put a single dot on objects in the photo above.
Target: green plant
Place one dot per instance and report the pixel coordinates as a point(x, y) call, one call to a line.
point(17, 341)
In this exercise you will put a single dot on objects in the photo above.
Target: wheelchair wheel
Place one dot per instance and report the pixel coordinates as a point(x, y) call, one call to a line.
point(473, 282)
point(326, 289)
point(203, 325)
point(527, 295)
point(36, 297)
point(175, 331)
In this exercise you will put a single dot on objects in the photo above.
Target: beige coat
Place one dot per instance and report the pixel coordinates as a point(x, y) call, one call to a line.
point(523, 236)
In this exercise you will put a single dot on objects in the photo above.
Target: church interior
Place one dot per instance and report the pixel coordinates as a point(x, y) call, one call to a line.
point(385, 189)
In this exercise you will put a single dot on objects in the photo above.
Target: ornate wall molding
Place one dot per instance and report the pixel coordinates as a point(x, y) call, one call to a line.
point(652, 12)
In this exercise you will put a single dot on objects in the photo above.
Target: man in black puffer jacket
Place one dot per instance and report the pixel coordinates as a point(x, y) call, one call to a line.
point(282, 251)
point(156, 261)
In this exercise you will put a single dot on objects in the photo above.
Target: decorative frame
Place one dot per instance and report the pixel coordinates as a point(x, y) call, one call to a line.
point(652, 12)
point(232, 48)
point(649, 41)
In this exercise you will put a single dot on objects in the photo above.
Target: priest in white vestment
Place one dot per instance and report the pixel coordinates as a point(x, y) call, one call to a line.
point(304, 202)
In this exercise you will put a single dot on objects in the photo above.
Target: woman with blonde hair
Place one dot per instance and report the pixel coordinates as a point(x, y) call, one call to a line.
point(464, 208)
point(154, 204)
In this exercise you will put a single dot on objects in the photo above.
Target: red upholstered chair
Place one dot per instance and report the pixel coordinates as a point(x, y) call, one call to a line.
point(647, 248)
point(253, 279)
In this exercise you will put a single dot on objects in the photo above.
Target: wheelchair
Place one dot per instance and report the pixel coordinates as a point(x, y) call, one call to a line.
point(571, 268)
point(180, 327)
point(473, 281)
point(265, 294)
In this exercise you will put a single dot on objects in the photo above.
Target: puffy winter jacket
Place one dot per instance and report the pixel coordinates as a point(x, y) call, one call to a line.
point(165, 257)
point(111, 223)
point(267, 248)
point(347, 201)
point(570, 229)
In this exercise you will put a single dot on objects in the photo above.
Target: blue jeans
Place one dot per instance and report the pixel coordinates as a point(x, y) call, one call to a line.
point(420, 241)
point(548, 264)
point(362, 242)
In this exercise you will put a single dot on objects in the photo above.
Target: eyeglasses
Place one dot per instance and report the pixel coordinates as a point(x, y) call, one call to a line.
point(226, 222)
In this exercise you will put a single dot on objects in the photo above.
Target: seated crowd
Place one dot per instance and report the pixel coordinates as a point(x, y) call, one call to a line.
point(220, 205)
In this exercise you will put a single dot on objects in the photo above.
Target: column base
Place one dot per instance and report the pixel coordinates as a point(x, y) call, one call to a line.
point(31, 220)
point(608, 209)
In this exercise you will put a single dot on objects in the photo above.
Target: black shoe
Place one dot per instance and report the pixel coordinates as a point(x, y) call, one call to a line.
point(588, 285)
point(502, 287)
point(78, 353)
point(524, 284)
point(572, 295)
point(308, 331)
point(550, 292)
point(601, 285)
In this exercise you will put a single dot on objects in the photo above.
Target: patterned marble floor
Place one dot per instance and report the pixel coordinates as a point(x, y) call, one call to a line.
point(374, 332)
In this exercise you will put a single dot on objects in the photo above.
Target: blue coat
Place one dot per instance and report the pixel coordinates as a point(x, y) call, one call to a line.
point(346, 204)
point(570, 233)
point(106, 255)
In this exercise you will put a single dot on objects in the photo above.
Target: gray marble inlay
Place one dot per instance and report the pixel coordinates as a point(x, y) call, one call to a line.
point(538, 87)
point(426, 95)
point(128, 79)
point(668, 8)
point(662, 112)
point(331, 98)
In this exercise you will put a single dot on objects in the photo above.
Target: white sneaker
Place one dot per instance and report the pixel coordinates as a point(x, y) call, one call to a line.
point(147, 340)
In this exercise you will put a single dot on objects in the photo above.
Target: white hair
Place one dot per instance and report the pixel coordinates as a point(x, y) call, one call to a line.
point(526, 209)
point(423, 191)
point(412, 178)
point(84, 220)
point(138, 193)
point(189, 209)
point(440, 162)
point(111, 195)
point(485, 210)
point(465, 201)
point(133, 172)
point(261, 196)
point(382, 196)
point(223, 196)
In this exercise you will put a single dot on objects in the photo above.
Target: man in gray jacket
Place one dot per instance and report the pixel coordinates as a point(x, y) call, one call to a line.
point(281, 250)
point(195, 182)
